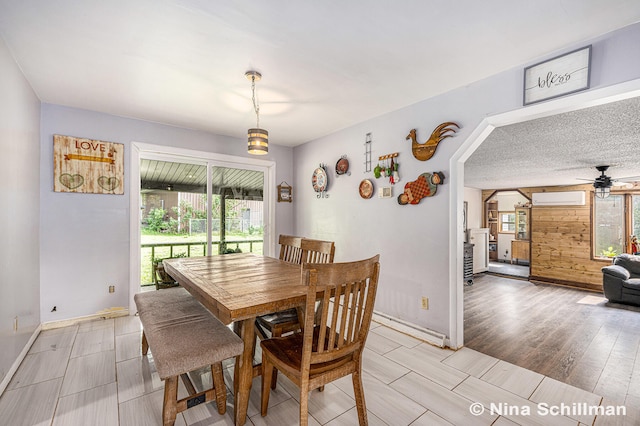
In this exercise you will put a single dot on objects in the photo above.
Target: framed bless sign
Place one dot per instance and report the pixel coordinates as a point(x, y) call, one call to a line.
point(559, 76)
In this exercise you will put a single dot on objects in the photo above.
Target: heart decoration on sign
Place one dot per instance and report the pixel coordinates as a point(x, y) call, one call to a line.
point(108, 183)
point(71, 181)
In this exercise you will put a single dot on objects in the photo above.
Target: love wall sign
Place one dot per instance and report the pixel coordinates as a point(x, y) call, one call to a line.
point(87, 166)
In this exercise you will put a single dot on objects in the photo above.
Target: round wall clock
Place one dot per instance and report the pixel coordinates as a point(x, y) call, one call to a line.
point(320, 180)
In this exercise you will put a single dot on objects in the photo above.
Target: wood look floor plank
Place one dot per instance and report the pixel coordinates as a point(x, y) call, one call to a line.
point(31, 405)
point(89, 342)
point(137, 377)
point(382, 367)
point(436, 371)
point(487, 394)
point(385, 402)
point(41, 366)
point(285, 413)
point(50, 340)
point(471, 362)
point(431, 419)
point(350, 418)
point(97, 406)
point(89, 371)
point(380, 344)
point(515, 379)
point(128, 346)
point(553, 392)
point(145, 411)
point(127, 324)
point(548, 330)
point(448, 405)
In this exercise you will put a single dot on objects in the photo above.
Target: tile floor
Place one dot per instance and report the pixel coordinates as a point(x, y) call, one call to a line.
point(93, 374)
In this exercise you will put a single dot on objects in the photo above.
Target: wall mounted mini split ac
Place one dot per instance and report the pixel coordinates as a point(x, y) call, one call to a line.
point(561, 198)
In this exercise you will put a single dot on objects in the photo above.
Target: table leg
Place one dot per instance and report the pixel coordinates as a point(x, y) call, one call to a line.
point(243, 372)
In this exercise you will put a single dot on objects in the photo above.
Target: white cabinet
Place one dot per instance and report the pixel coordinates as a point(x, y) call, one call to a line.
point(479, 237)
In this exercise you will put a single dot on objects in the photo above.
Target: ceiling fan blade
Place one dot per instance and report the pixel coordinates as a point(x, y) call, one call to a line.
point(627, 178)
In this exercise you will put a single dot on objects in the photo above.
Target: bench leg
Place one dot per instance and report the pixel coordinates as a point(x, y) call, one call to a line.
point(169, 409)
point(145, 344)
point(218, 384)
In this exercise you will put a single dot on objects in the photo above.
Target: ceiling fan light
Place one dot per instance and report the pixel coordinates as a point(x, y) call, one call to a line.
point(603, 192)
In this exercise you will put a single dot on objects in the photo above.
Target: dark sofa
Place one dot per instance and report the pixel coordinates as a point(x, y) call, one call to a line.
point(621, 281)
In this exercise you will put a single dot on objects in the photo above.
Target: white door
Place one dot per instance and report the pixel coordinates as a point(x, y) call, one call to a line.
point(479, 237)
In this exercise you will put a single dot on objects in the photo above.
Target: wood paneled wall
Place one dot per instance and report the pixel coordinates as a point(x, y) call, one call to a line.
point(561, 241)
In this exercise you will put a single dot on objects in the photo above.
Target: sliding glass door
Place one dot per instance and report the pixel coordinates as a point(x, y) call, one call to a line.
point(192, 207)
point(237, 223)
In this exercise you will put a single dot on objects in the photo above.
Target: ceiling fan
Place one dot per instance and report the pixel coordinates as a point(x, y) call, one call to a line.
point(603, 183)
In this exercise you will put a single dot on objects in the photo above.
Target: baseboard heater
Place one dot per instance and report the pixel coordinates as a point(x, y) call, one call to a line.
point(433, 337)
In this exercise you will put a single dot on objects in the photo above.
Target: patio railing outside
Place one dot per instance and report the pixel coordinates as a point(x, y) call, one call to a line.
point(151, 251)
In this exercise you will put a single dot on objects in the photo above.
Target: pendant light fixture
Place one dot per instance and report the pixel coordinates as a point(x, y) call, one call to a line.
point(258, 138)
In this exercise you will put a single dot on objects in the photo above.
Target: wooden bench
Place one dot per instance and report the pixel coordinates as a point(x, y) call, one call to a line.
point(184, 336)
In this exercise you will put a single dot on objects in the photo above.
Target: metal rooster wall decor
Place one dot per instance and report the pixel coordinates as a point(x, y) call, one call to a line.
point(424, 151)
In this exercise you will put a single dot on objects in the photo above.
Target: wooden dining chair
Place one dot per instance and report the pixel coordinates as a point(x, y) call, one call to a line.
point(310, 251)
point(317, 251)
point(290, 248)
point(331, 343)
point(283, 321)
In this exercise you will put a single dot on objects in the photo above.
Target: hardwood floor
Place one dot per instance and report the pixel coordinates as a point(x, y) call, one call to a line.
point(92, 373)
point(570, 335)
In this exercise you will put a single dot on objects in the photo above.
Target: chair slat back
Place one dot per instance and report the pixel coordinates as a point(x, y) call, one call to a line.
point(290, 249)
point(347, 292)
point(317, 251)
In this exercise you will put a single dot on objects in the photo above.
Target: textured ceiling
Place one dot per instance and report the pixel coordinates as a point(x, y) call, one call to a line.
point(560, 149)
point(326, 65)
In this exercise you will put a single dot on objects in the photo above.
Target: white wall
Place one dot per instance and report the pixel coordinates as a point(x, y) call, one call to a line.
point(19, 210)
point(414, 241)
point(475, 208)
point(85, 237)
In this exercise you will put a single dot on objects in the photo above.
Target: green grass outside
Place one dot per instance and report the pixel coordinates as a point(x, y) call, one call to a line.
point(164, 252)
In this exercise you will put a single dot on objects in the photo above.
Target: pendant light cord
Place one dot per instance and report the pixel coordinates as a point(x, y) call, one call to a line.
point(253, 98)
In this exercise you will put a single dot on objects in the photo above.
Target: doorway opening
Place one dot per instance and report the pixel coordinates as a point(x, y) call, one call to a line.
point(507, 215)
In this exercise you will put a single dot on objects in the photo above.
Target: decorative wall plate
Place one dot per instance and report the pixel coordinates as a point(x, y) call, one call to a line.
point(342, 166)
point(319, 180)
point(366, 188)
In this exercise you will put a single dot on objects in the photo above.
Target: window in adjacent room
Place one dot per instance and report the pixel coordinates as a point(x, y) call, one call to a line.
point(616, 219)
point(507, 222)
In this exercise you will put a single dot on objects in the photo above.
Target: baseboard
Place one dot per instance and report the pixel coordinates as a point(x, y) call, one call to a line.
point(14, 367)
point(107, 313)
point(577, 285)
point(429, 336)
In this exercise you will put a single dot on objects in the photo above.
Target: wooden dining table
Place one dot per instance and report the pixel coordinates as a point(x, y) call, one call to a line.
point(237, 288)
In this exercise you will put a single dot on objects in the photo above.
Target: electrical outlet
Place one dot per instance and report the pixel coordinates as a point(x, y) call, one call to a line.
point(112, 289)
point(425, 302)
